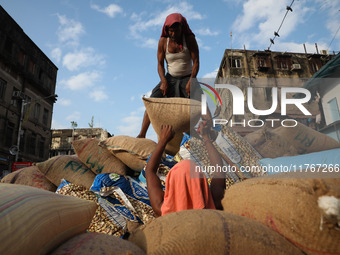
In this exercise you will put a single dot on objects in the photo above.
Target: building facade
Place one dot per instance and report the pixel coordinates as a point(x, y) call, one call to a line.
point(27, 94)
point(326, 84)
point(62, 139)
point(260, 72)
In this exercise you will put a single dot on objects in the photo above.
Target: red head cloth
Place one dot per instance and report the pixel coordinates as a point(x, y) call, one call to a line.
point(184, 191)
point(173, 18)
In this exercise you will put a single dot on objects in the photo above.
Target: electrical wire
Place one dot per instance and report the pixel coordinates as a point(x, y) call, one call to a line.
point(333, 37)
point(276, 33)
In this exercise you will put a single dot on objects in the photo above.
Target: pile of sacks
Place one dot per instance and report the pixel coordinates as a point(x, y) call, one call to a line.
point(102, 197)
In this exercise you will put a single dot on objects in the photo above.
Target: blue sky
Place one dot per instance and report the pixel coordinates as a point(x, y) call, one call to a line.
point(106, 50)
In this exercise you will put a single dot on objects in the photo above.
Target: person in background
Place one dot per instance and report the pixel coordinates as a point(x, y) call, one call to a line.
point(185, 187)
point(178, 48)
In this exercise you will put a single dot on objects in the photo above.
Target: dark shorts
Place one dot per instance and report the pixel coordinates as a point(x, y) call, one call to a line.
point(176, 88)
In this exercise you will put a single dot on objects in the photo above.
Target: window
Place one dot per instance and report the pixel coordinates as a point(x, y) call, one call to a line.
point(31, 67)
point(14, 99)
point(32, 142)
point(45, 116)
point(3, 85)
point(262, 62)
point(283, 63)
point(334, 109)
point(41, 147)
point(37, 111)
point(69, 139)
point(21, 57)
point(9, 134)
point(235, 62)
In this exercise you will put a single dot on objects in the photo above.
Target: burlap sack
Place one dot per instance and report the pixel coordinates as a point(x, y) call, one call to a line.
point(67, 167)
point(270, 144)
point(132, 151)
point(178, 112)
point(100, 223)
point(288, 206)
point(35, 221)
point(209, 232)
point(98, 158)
point(95, 243)
point(306, 139)
point(30, 176)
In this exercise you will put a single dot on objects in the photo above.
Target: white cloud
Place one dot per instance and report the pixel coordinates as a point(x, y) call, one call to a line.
point(137, 30)
point(82, 80)
point(73, 116)
point(82, 58)
point(260, 18)
point(131, 124)
point(98, 95)
point(111, 10)
point(213, 74)
point(69, 30)
point(56, 125)
point(64, 102)
point(56, 54)
point(206, 32)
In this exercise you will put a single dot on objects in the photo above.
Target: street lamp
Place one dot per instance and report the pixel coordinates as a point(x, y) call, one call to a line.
point(25, 102)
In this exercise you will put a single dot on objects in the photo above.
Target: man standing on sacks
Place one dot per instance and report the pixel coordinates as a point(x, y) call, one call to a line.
point(178, 47)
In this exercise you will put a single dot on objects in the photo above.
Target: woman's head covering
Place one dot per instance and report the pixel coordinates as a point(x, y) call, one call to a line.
point(186, 189)
point(173, 18)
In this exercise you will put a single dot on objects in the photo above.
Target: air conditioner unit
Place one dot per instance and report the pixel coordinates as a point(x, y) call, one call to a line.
point(324, 52)
point(295, 67)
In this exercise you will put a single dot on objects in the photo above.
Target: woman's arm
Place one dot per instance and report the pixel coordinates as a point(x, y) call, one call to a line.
point(154, 186)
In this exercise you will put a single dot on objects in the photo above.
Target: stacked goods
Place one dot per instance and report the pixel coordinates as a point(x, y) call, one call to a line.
point(98, 158)
point(270, 144)
point(306, 139)
point(164, 167)
point(30, 176)
point(35, 221)
point(128, 192)
point(100, 222)
point(178, 112)
point(240, 159)
point(289, 141)
point(69, 168)
point(95, 243)
point(132, 151)
point(238, 152)
point(204, 231)
point(290, 207)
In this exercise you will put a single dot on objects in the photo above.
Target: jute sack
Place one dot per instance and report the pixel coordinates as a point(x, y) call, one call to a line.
point(203, 231)
point(178, 112)
point(30, 176)
point(96, 243)
point(100, 223)
point(306, 139)
point(289, 206)
point(132, 151)
point(35, 221)
point(98, 158)
point(67, 167)
point(270, 144)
